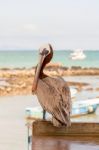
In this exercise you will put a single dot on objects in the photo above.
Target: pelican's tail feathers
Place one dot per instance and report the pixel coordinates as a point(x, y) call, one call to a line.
point(56, 123)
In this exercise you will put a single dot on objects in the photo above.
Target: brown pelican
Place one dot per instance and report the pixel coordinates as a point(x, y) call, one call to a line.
point(52, 93)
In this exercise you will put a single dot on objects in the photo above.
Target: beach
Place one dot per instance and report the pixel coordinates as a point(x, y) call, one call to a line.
point(19, 81)
point(17, 69)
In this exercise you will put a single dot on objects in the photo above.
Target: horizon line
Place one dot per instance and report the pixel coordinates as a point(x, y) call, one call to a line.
point(54, 49)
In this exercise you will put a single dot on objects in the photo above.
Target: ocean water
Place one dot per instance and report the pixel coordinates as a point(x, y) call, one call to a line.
point(28, 59)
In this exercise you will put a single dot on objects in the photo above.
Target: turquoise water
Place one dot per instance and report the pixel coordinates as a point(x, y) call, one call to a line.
point(28, 59)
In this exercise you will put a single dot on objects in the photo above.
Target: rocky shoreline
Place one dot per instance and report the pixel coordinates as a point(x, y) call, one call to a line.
point(19, 81)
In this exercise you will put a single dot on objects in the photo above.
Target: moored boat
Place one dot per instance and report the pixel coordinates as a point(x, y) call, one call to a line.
point(78, 108)
point(78, 54)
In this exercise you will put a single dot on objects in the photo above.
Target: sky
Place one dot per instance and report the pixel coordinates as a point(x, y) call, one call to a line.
point(66, 24)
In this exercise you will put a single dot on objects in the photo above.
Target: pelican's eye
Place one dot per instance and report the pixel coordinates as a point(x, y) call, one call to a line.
point(44, 52)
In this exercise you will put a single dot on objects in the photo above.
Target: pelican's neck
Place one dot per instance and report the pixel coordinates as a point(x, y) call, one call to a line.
point(46, 61)
point(42, 74)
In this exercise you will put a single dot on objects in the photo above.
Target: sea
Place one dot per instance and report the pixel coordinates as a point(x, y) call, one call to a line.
point(29, 58)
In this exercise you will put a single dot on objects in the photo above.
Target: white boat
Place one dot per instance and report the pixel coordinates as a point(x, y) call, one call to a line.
point(78, 54)
point(79, 108)
point(73, 92)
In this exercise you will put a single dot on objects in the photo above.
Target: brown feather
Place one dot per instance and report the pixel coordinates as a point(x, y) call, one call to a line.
point(54, 96)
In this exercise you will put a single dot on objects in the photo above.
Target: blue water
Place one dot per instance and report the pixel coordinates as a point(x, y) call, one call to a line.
point(28, 59)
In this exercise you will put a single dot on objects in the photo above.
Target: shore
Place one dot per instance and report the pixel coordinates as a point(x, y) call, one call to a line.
point(19, 81)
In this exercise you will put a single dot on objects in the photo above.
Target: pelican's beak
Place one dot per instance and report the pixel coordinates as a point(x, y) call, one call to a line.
point(37, 74)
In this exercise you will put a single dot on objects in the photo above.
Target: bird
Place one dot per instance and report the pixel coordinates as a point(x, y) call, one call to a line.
point(53, 93)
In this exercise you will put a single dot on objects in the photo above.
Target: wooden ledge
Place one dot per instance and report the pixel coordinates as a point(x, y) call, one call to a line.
point(45, 128)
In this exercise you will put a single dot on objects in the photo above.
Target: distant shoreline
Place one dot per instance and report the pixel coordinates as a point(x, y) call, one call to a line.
point(53, 69)
point(19, 81)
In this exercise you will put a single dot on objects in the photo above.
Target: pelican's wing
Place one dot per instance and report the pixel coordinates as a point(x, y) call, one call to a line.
point(62, 108)
point(54, 97)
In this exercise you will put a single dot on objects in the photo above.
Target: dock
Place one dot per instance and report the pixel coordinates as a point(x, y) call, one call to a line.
point(81, 136)
point(46, 128)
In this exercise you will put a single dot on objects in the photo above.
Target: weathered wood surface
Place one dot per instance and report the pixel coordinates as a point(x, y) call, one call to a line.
point(64, 143)
point(45, 128)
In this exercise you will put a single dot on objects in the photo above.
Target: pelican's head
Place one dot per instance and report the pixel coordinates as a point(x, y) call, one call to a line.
point(46, 54)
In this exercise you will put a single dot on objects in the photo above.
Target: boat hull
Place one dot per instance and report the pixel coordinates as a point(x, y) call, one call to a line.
point(79, 108)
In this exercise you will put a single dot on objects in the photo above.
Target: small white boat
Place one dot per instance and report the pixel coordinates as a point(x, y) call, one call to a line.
point(78, 54)
point(73, 92)
point(84, 106)
point(79, 108)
